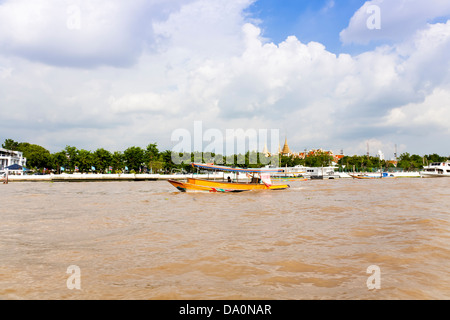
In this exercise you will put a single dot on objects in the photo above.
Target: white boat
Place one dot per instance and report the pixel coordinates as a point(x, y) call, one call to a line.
point(321, 173)
point(436, 169)
point(308, 172)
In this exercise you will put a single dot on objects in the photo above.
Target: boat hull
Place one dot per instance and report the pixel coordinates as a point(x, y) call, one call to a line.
point(369, 177)
point(363, 177)
point(434, 175)
point(199, 185)
point(288, 178)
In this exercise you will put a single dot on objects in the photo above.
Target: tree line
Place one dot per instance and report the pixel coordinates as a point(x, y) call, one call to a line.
point(405, 161)
point(150, 159)
point(71, 159)
point(136, 159)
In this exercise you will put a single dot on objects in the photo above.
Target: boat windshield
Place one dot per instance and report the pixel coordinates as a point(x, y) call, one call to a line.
point(255, 180)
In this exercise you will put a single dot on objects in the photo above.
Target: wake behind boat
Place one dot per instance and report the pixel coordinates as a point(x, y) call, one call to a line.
point(260, 180)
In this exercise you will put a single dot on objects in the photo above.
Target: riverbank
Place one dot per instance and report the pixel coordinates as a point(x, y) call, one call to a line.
point(106, 177)
point(151, 177)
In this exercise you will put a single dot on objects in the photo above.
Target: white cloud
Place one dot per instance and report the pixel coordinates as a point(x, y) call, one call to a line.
point(399, 19)
point(431, 114)
point(204, 28)
point(80, 33)
point(145, 103)
point(208, 63)
point(328, 6)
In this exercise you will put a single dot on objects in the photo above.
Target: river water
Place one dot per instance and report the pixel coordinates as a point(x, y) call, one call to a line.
point(146, 240)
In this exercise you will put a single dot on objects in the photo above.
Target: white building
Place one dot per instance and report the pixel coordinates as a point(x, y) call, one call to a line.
point(380, 155)
point(9, 157)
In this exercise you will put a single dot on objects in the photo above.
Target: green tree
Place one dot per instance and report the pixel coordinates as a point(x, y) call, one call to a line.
point(435, 158)
point(286, 161)
point(59, 159)
point(84, 160)
point(209, 157)
point(72, 157)
point(117, 161)
point(368, 164)
point(101, 160)
point(10, 144)
point(230, 159)
point(252, 160)
point(166, 158)
point(352, 163)
point(416, 161)
point(240, 160)
point(319, 160)
point(152, 152)
point(37, 157)
point(404, 161)
point(134, 158)
point(153, 158)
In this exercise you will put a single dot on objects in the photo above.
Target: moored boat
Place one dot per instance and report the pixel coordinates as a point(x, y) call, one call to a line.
point(372, 176)
point(288, 175)
point(363, 177)
point(289, 178)
point(436, 170)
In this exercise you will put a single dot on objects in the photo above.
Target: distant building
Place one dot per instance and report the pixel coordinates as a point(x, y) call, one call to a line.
point(380, 155)
point(10, 157)
point(286, 151)
point(266, 151)
point(316, 152)
point(393, 162)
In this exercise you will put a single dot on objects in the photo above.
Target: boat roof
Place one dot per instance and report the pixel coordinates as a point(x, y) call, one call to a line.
point(230, 169)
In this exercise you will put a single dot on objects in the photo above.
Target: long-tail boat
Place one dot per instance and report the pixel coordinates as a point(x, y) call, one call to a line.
point(376, 176)
point(260, 180)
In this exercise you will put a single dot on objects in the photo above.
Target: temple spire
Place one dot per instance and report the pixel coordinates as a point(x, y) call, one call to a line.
point(286, 151)
point(266, 151)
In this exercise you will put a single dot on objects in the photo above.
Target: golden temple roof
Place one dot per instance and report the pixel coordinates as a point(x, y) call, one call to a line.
point(286, 149)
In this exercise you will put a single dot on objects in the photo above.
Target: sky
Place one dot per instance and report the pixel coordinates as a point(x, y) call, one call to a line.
point(330, 74)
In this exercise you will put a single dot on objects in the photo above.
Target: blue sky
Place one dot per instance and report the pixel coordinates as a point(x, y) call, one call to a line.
point(308, 20)
point(113, 74)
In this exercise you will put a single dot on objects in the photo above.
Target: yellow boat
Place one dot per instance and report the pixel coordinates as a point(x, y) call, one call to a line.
point(257, 183)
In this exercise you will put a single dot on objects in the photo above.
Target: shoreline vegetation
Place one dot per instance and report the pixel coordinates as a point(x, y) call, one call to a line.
point(137, 160)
